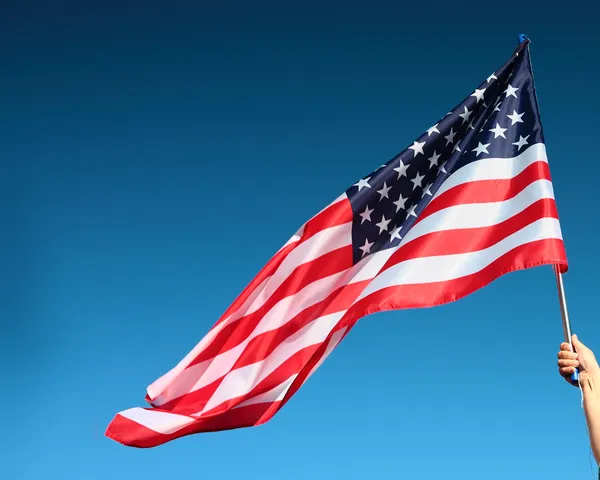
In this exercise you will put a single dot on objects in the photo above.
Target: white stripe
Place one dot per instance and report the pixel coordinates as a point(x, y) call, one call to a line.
point(274, 395)
point(477, 215)
point(242, 380)
point(450, 267)
point(161, 422)
point(494, 168)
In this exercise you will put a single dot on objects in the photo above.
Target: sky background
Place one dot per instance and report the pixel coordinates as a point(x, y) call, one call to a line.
point(155, 155)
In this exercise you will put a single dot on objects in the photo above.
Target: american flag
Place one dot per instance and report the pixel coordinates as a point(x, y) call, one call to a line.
point(470, 200)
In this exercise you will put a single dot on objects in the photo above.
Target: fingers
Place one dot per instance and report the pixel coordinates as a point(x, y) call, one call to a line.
point(566, 372)
point(567, 355)
point(568, 363)
point(565, 346)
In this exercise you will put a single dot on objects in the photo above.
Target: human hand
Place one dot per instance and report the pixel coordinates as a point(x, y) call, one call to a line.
point(583, 359)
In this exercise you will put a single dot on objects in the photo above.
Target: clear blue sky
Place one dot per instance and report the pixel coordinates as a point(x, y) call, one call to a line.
point(153, 158)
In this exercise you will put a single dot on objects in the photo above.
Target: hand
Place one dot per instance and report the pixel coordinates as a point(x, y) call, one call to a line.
point(583, 359)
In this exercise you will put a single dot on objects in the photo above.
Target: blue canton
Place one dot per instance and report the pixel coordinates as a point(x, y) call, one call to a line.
point(500, 119)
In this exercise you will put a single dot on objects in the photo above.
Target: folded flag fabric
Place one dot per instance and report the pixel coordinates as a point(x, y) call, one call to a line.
point(470, 200)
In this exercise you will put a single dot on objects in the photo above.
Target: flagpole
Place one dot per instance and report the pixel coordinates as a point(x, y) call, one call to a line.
point(562, 298)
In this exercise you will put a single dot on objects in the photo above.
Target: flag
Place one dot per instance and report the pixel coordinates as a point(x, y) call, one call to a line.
point(470, 200)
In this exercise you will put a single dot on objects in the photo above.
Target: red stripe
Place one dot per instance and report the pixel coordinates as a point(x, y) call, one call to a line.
point(485, 191)
point(335, 214)
point(236, 332)
point(533, 254)
point(465, 240)
point(257, 349)
point(130, 433)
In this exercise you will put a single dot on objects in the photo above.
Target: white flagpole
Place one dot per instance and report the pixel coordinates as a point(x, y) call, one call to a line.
point(562, 298)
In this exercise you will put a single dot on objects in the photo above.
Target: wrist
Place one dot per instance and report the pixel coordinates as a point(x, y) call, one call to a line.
point(590, 380)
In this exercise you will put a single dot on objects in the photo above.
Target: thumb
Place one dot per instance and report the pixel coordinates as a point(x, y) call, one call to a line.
point(579, 346)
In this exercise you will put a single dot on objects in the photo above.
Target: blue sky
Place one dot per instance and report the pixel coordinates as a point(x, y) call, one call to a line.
point(155, 155)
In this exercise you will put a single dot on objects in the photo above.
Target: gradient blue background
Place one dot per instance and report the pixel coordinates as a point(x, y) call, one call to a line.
point(155, 155)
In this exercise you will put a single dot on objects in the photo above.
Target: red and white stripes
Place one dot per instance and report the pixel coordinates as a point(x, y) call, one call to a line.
point(490, 217)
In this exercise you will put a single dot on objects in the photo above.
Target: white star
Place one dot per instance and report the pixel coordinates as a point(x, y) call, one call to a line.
point(489, 79)
point(366, 248)
point(366, 215)
point(395, 233)
point(522, 142)
point(471, 126)
point(411, 211)
point(465, 116)
point(383, 225)
point(417, 180)
point(456, 148)
point(417, 147)
point(400, 203)
point(497, 109)
point(426, 190)
point(450, 137)
point(516, 117)
point(363, 182)
point(383, 166)
point(433, 130)
point(384, 192)
point(481, 148)
point(443, 167)
point(433, 160)
point(401, 169)
point(478, 94)
point(511, 91)
point(485, 105)
point(449, 113)
point(498, 131)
